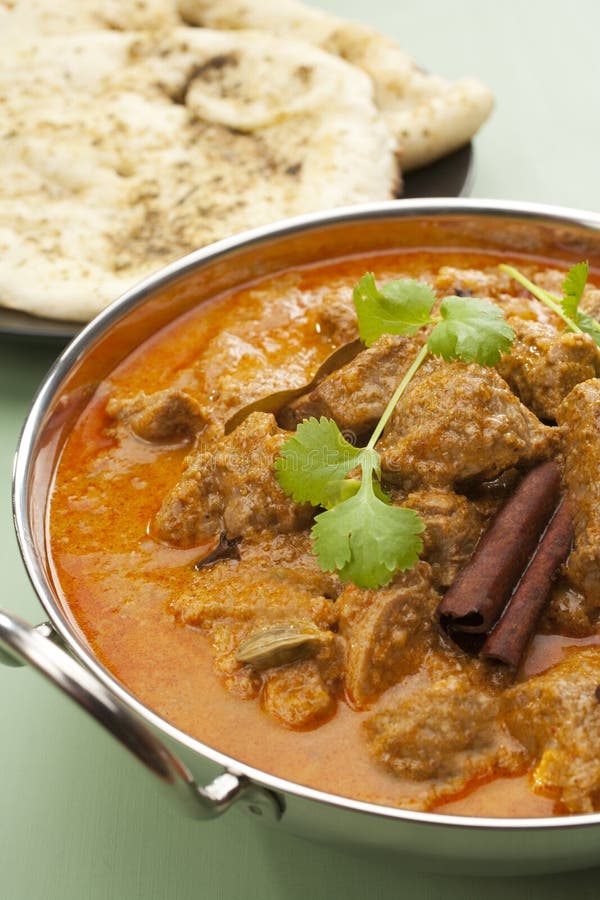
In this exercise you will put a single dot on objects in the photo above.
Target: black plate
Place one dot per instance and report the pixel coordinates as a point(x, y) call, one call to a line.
point(449, 177)
point(16, 324)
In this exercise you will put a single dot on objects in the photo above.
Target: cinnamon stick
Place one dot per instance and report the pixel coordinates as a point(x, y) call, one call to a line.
point(509, 638)
point(481, 590)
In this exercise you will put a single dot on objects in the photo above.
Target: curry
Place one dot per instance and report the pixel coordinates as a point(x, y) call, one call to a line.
point(192, 574)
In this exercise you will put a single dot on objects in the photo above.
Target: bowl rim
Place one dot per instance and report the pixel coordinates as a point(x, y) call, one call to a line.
point(74, 352)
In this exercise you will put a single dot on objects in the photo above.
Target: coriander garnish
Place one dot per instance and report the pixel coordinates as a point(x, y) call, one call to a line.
point(567, 306)
point(361, 535)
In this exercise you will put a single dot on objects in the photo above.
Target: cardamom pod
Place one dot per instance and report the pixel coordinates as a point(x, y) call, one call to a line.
point(280, 644)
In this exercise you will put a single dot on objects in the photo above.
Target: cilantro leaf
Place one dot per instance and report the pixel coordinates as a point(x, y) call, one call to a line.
point(589, 326)
point(365, 540)
point(314, 462)
point(398, 307)
point(568, 306)
point(573, 287)
point(362, 536)
point(339, 491)
point(472, 330)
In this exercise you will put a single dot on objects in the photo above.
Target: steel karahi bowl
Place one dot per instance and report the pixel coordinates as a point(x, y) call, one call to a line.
point(205, 781)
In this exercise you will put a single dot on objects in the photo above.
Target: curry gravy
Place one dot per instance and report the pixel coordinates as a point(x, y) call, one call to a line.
point(117, 581)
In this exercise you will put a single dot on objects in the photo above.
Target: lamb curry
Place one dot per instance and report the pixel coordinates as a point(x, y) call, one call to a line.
point(193, 575)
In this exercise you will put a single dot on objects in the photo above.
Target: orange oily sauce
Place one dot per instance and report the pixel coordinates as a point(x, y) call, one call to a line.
point(117, 583)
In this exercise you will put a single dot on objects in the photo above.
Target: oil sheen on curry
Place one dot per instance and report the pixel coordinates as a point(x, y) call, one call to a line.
point(193, 575)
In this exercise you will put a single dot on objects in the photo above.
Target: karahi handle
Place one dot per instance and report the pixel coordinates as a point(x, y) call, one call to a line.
point(22, 644)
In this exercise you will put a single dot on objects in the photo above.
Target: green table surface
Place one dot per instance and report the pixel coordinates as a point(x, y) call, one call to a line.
point(79, 820)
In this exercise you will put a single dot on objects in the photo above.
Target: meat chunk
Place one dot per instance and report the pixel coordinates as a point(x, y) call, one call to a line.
point(161, 417)
point(274, 583)
point(579, 414)
point(236, 370)
point(388, 632)
point(556, 716)
point(545, 364)
point(485, 282)
point(590, 302)
point(459, 422)
point(566, 612)
point(357, 394)
point(276, 352)
point(304, 694)
point(336, 319)
point(231, 488)
point(453, 527)
point(447, 733)
point(269, 577)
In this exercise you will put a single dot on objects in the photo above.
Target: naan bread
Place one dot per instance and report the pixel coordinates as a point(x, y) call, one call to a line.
point(122, 151)
point(430, 117)
point(129, 140)
point(27, 18)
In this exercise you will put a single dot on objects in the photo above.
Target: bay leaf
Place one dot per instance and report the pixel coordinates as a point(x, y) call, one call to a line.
point(272, 403)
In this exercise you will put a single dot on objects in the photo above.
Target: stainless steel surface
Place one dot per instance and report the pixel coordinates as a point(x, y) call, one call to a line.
point(479, 843)
point(45, 629)
point(21, 644)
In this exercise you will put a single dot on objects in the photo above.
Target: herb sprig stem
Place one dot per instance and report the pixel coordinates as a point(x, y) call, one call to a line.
point(408, 377)
point(544, 296)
